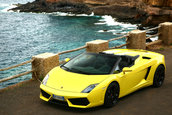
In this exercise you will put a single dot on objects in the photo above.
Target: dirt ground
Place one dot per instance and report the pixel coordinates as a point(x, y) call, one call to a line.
point(24, 100)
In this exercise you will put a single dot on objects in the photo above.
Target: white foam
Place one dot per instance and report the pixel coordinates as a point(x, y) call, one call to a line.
point(70, 14)
point(106, 31)
point(108, 20)
point(62, 14)
point(111, 31)
point(119, 33)
point(101, 31)
point(7, 7)
point(154, 38)
point(92, 14)
point(100, 23)
point(4, 5)
point(130, 26)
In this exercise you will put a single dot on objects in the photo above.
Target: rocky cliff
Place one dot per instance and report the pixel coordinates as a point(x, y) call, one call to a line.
point(158, 11)
point(147, 12)
point(159, 3)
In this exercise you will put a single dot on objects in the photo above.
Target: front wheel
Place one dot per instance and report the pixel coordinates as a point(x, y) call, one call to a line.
point(111, 95)
point(159, 76)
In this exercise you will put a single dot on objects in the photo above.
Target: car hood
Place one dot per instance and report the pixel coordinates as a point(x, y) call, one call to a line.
point(68, 81)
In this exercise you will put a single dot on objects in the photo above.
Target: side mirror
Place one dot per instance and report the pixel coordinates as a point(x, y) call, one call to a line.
point(126, 69)
point(67, 59)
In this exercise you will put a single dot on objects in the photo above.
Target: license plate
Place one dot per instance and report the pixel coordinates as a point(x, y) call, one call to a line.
point(61, 98)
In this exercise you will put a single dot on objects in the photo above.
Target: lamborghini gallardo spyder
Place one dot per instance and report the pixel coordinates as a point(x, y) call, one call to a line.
point(93, 79)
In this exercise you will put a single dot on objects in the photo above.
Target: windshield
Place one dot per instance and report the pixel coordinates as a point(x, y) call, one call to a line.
point(91, 63)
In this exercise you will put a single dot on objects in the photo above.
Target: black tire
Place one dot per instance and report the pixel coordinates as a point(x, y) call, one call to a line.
point(159, 76)
point(111, 95)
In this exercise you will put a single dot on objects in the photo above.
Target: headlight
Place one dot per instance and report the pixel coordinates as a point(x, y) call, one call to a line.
point(89, 88)
point(44, 81)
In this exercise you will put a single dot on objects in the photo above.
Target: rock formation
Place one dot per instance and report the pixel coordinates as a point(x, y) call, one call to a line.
point(159, 3)
point(158, 11)
point(147, 12)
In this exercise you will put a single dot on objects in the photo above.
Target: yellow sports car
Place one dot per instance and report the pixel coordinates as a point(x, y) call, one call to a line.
point(93, 79)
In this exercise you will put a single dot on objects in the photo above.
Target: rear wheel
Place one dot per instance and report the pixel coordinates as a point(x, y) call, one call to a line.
point(159, 76)
point(112, 94)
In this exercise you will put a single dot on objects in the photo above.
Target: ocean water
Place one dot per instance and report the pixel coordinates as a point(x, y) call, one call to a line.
point(23, 35)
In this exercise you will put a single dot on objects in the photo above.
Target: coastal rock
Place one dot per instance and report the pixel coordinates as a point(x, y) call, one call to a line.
point(147, 12)
point(159, 3)
point(57, 6)
point(122, 13)
point(158, 11)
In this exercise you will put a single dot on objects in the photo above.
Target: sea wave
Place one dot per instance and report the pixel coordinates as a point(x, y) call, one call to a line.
point(7, 7)
point(154, 38)
point(69, 14)
point(60, 13)
point(110, 21)
point(114, 32)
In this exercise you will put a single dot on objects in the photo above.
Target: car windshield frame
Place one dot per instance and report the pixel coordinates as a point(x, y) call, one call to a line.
point(108, 61)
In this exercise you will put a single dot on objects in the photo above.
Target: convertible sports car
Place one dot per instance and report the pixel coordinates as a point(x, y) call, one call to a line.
point(93, 79)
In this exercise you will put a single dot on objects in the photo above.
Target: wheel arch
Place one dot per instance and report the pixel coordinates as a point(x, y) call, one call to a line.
point(161, 61)
point(105, 98)
point(157, 81)
point(114, 81)
point(161, 64)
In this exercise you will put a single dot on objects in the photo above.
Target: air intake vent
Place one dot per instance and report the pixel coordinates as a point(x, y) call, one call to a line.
point(144, 57)
point(46, 95)
point(79, 101)
point(146, 76)
point(59, 102)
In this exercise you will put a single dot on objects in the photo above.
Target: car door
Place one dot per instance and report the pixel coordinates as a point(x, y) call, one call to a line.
point(133, 80)
point(130, 80)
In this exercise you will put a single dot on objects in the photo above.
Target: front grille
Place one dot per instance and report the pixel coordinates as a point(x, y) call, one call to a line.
point(45, 94)
point(79, 101)
point(58, 102)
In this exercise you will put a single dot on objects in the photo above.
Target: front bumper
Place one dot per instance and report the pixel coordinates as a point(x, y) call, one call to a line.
point(71, 99)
